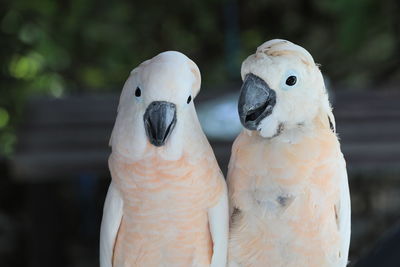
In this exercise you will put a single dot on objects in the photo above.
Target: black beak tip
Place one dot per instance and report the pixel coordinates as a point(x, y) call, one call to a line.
point(157, 143)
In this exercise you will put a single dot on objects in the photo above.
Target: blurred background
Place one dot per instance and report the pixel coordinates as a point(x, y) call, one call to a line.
point(63, 64)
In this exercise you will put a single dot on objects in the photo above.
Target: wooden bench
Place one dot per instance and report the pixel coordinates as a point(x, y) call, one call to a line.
point(62, 138)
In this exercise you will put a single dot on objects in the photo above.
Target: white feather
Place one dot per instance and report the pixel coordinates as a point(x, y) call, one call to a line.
point(219, 226)
point(112, 216)
point(345, 213)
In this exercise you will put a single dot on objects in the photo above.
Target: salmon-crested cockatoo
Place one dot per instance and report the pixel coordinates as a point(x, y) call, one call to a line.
point(167, 203)
point(287, 179)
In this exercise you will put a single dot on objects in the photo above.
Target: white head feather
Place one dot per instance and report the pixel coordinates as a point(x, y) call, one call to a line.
point(169, 76)
point(296, 106)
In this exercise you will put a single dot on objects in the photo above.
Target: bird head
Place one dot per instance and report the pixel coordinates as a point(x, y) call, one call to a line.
point(156, 103)
point(282, 89)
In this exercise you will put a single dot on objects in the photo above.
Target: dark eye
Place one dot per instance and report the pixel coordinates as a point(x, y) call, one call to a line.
point(138, 92)
point(291, 80)
point(189, 99)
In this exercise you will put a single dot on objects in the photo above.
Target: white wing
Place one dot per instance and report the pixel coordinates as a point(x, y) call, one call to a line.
point(112, 216)
point(218, 217)
point(345, 212)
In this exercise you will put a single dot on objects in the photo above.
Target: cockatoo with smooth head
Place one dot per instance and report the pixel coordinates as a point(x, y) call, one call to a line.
point(167, 203)
point(287, 179)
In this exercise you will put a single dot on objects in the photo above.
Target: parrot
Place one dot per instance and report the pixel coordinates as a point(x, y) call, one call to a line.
point(289, 199)
point(167, 203)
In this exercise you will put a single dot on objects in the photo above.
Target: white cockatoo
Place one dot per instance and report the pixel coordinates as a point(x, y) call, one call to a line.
point(287, 179)
point(167, 203)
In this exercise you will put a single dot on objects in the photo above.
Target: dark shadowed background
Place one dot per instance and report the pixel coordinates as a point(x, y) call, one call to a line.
point(63, 64)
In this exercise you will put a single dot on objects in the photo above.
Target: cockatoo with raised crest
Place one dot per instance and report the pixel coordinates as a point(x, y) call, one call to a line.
point(167, 202)
point(287, 179)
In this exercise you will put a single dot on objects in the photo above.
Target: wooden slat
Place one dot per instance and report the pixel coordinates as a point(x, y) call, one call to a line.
point(38, 167)
point(368, 131)
point(71, 111)
point(68, 138)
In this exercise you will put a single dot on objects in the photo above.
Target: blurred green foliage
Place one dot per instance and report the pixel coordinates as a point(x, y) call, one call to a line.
point(65, 47)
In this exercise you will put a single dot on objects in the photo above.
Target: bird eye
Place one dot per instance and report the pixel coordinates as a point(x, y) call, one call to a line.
point(291, 80)
point(189, 99)
point(138, 92)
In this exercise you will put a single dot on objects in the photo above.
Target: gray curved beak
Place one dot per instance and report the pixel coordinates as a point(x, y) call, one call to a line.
point(159, 121)
point(256, 101)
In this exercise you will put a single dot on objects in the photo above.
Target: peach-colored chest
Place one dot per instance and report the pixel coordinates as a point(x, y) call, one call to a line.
point(294, 190)
point(165, 219)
